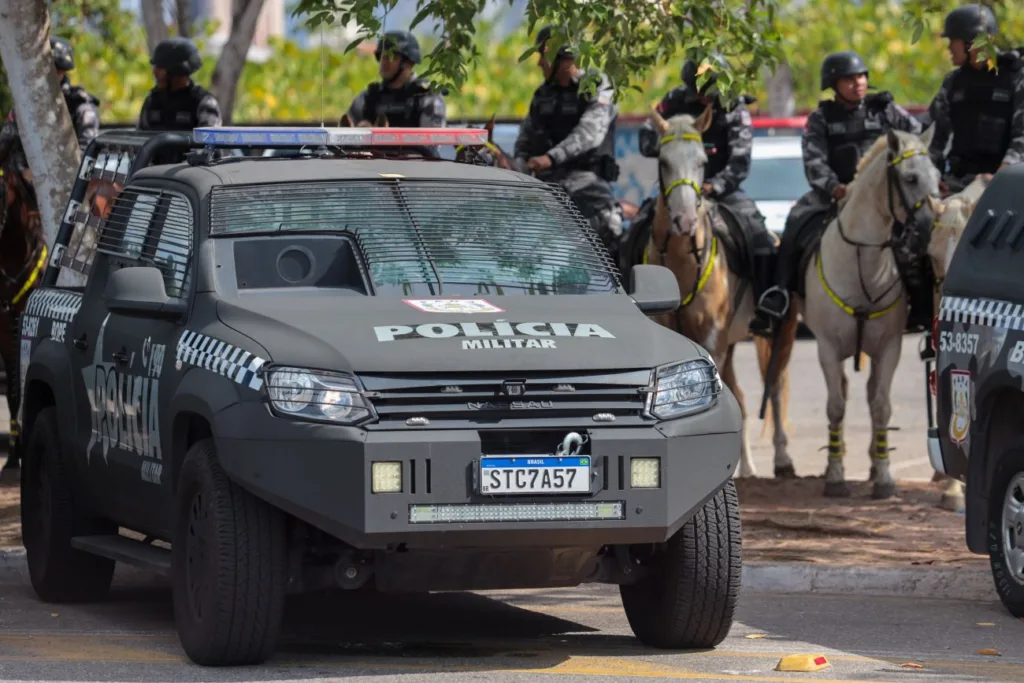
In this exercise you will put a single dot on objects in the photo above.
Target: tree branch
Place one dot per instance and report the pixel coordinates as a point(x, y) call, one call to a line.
point(224, 83)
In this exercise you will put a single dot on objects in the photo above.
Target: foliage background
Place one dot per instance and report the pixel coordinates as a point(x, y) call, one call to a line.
point(110, 51)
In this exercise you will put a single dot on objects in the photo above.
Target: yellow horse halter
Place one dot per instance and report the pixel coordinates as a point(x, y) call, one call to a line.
point(688, 182)
point(904, 157)
point(489, 145)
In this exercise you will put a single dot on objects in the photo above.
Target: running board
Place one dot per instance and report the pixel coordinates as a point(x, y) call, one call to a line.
point(127, 550)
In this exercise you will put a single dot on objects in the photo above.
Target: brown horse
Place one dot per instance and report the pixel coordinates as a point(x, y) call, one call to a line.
point(23, 256)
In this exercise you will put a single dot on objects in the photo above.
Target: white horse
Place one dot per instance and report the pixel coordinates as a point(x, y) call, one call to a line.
point(854, 300)
point(717, 303)
point(951, 217)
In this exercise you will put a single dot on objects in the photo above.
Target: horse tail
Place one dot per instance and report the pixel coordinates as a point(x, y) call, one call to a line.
point(781, 375)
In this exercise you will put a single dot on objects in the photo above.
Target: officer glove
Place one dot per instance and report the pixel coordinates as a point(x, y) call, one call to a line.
point(539, 164)
point(708, 189)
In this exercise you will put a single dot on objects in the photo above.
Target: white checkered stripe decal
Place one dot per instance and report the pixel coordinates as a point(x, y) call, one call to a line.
point(53, 303)
point(991, 312)
point(221, 358)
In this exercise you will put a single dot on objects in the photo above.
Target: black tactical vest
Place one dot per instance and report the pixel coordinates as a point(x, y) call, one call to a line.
point(981, 109)
point(851, 132)
point(716, 137)
point(178, 110)
point(403, 106)
point(555, 112)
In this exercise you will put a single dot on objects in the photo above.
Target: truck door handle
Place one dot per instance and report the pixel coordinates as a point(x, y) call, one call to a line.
point(81, 343)
point(121, 357)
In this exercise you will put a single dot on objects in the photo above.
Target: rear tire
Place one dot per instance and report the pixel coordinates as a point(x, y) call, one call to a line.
point(689, 600)
point(1006, 541)
point(229, 566)
point(49, 520)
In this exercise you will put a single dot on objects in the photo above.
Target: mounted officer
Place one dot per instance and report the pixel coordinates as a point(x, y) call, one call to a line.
point(982, 108)
point(406, 100)
point(568, 138)
point(177, 102)
point(81, 105)
point(728, 143)
point(835, 137)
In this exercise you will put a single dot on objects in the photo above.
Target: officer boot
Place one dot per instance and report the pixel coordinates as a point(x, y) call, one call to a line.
point(773, 302)
point(763, 277)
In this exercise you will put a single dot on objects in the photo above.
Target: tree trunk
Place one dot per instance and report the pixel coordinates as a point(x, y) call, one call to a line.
point(47, 134)
point(224, 83)
point(153, 20)
point(780, 92)
point(183, 13)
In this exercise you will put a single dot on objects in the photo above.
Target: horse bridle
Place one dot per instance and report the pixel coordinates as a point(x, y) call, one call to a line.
point(37, 260)
point(899, 240)
point(710, 244)
point(495, 153)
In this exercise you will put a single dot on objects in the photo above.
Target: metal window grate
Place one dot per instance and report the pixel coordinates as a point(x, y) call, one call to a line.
point(436, 236)
point(154, 228)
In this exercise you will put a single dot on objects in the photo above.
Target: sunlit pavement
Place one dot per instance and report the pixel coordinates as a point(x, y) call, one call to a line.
point(576, 634)
point(808, 424)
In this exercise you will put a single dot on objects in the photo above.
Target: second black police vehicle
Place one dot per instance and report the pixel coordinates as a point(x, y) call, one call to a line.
point(361, 368)
point(978, 340)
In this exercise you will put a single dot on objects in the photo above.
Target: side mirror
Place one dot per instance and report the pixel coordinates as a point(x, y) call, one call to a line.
point(141, 290)
point(654, 289)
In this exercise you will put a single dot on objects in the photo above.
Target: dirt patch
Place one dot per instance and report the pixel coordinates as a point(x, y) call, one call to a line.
point(790, 520)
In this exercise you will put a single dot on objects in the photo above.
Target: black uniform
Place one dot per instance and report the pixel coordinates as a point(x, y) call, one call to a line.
point(982, 109)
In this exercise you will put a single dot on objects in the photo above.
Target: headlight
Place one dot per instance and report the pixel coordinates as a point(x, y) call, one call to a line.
point(682, 388)
point(323, 396)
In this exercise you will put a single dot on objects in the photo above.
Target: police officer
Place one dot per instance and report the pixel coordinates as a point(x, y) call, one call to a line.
point(568, 138)
point(406, 100)
point(728, 142)
point(835, 136)
point(982, 108)
point(81, 105)
point(177, 102)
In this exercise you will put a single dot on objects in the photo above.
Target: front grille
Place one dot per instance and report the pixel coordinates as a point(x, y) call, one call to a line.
point(478, 400)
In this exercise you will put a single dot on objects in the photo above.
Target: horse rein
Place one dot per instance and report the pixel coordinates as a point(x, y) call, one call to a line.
point(36, 262)
point(911, 211)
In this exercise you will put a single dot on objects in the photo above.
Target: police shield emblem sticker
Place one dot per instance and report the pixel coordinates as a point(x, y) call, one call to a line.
point(960, 420)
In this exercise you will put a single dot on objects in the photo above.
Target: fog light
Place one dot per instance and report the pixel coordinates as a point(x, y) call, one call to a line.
point(645, 473)
point(387, 477)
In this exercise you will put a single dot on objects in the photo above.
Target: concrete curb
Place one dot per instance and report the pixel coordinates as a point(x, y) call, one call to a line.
point(974, 583)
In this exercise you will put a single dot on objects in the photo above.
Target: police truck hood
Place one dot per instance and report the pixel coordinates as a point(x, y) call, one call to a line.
point(376, 334)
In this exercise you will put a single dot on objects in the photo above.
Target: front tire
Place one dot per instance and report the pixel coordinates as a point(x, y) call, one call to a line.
point(1006, 530)
point(690, 597)
point(229, 566)
point(50, 518)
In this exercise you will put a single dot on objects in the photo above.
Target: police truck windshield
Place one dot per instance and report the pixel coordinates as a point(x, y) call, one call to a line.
point(414, 235)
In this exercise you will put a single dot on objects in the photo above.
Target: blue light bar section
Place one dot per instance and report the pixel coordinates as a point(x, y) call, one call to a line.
point(240, 136)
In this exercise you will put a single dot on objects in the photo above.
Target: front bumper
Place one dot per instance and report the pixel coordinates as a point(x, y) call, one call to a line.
point(935, 451)
point(321, 474)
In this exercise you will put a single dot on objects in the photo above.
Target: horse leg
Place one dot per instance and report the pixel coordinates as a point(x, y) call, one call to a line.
point(778, 393)
point(746, 468)
point(883, 370)
point(836, 386)
point(10, 474)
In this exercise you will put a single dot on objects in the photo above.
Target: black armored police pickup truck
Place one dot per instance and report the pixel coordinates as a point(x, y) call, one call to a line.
point(979, 380)
point(357, 367)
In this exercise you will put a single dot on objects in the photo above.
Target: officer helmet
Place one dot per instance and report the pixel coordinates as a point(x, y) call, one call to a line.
point(402, 43)
point(179, 56)
point(840, 64)
point(690, 68)
point(968, 21)
point(544, 36)
point(63, 54)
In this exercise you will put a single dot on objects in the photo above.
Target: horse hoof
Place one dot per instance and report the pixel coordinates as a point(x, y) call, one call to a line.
point(785, 472)
point(837, 489)
point(952, 502)
point(882, 491)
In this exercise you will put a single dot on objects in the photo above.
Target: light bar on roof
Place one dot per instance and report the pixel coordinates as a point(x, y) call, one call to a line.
point(273, 136)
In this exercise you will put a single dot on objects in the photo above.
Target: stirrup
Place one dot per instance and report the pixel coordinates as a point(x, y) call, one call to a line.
point(779, 314)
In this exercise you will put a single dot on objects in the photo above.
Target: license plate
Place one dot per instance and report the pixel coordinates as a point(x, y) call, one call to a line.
point(534, 474)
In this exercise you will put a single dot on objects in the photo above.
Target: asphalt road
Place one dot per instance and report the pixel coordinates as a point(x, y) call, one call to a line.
point(808, 424)
point(578, 634)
